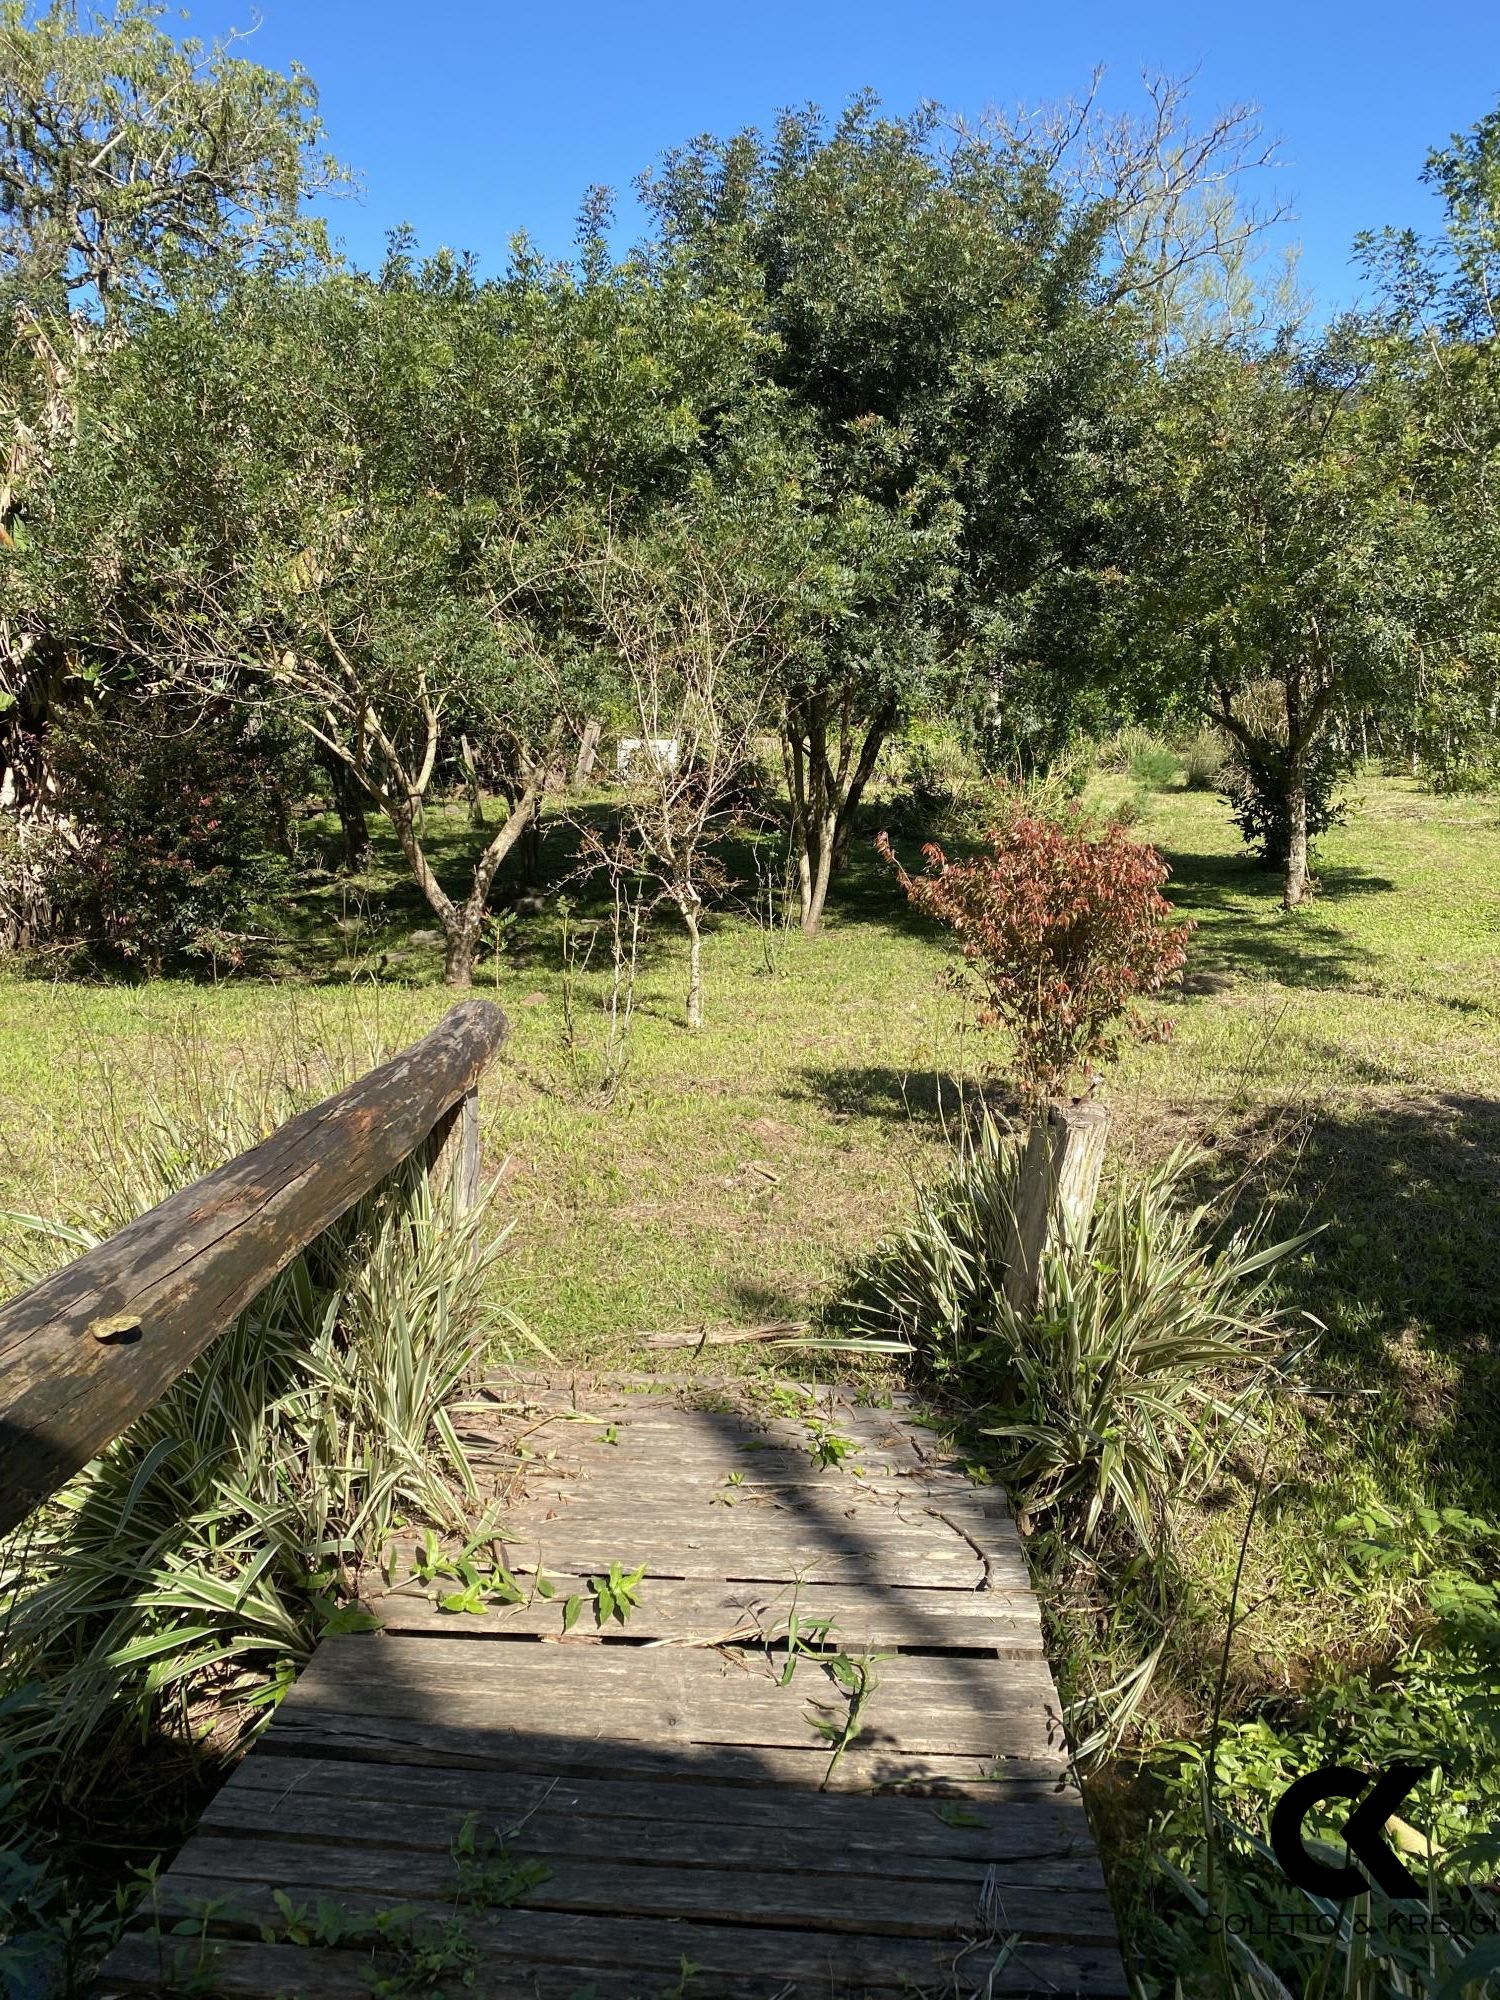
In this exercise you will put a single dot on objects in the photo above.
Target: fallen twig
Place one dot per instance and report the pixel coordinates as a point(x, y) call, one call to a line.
point(725, 1336)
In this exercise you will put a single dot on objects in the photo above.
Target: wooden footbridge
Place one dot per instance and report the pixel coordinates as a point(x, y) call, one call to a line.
point(812, 1752)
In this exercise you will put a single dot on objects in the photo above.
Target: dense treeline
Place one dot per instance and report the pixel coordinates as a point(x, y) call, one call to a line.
point(885, 419)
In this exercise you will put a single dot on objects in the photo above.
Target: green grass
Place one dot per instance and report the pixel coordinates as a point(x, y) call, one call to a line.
point(1341, 1062)
point(1351, 1045)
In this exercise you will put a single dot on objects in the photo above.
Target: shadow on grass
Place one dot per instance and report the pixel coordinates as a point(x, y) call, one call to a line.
point(1242, 928)
point(379, 923)
point(932, 1103)
point(1407, 1274)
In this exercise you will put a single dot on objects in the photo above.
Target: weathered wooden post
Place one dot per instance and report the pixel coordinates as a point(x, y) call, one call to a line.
point(1055, 1191)
point(454, 1160)
point(588, 751)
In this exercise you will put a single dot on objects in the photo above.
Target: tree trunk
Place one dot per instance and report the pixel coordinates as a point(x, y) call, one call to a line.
point(825, 796)
point(458, 958)
point(1298, 883)
point(349, 804)
point(530, 845)
point(695, 964)
point(821, 832)
point(471, 782)
point(864, 770)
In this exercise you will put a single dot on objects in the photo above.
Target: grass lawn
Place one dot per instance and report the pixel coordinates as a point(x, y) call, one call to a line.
point(1347, 1054)
point(1342, 1061)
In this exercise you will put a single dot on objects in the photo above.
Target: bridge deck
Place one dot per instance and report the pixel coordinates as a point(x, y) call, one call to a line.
point(664, 1786)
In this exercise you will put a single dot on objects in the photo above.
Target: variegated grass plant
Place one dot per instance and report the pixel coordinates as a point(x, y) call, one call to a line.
point(1142, 1359)
point(181, 1577)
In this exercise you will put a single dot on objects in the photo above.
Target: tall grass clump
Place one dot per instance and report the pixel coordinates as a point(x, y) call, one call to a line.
point(1143, 756)
point(1203, 756)
point(1144, 1357)
point(1147, 1360)
point(171, 1589)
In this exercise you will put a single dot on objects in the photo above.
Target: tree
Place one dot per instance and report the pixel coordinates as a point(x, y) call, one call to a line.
point(695, 633)
point(1064, 930)
point(1440, 340)
point(1285, 560)
point(345, 501)
point(132, 166)
point(938, 360)
point(129, 160)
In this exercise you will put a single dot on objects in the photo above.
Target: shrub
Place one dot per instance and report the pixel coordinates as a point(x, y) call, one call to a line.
point(36, 847)
point(1256, 790)
point(1063, 927)
point(200, 1556)
point(939, 770)
point(179, 837)
point(1155, 769)
point(1113, 1394)
point(1132, 745)
point(1475, 771)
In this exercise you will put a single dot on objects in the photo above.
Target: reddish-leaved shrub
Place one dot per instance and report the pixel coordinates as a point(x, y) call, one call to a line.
point(1063, 927)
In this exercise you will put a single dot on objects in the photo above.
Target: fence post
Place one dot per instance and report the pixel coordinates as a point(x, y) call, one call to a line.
point(1055, 1191)
point(588, 750)
point(454, 1161)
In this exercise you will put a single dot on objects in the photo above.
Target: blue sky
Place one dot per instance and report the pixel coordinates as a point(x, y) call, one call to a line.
point(472, 119)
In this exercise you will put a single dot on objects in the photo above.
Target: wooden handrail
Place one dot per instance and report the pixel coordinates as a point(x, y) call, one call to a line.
point(84, 1352)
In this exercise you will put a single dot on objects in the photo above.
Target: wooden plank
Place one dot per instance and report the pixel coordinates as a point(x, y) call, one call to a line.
point(663, 1502)
point(917, 1562)
point(706, 1613)
point(561, 1832)
point(841, 1962)
point(356, 1660)
point(143, 1963)
point(895, 1902)
point(240, 1971)
point(181, 1273)
point(665, 1468)
point(971, 1706)
point(999, 1827)
point(317, 1730)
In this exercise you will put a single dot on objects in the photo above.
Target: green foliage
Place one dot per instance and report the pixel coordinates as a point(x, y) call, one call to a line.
point(179, 829)
point(615, 1595)
point(1287, 548)
point(1202, 756)
point(1114, 1396)
point(50, 1939)
point(1116, 1384)
point(855, 1682)
point(203, 1553)
point(1155, 770)
point(131, 159)
point(1257, 790)
point(938, 362)
point(1142, 755)
point(1438, 1702)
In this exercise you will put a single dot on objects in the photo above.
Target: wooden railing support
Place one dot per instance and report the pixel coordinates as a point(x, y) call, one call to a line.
point(455, 1151)
point(86, 1351)
point(1057, 1183)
